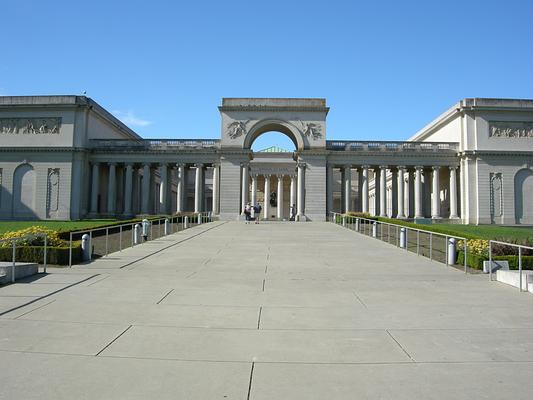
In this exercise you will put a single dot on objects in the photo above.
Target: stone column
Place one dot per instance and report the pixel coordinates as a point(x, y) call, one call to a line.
point(453, 193)
point(301, 192)
point(216, 189)
point(329, 188)
point(293, 192)
point(112, 189)
point(418, 192)
point(245, 188)
point(145, 207)
point(253, 198)
point(383, 191)
point(163, 189)
point(128, 191)
point(435, 199)
point(364, 194)
point(280, 197)
point(401, 194)
point(347, 188)
point(266, 206)
point(180, 189)
point(198, 188)
point(94, 188)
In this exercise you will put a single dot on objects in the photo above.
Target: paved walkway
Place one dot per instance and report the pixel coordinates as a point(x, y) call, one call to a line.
point(269, 311)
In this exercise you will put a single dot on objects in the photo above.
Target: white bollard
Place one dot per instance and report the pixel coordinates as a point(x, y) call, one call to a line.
point(344, 221)
point(137, 234)
point(357, 224)
point(451, 251)
point(199, 220)
point(145, 228)
point(86, 247)
point(167, 226)
point(186, 223)
point(375, 229)
point(402, 238)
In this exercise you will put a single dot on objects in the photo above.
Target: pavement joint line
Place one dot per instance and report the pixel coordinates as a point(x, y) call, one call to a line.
point(172, 245)
point(259, 318)
point(264, 284)
point(113, 341)
point(406, 363)
point(250, 382)
point(165, 296)
point(360, 300)
point(47, 295)
point(401, 347)
point(99, 280)
point(35, 309)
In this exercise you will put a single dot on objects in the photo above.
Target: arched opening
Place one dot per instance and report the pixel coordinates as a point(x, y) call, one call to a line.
point(273, 141)
point(274, 127)
point(24, 192)
point(523, 193)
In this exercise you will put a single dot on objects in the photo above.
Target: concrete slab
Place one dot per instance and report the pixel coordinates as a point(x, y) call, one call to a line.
point(320, 312)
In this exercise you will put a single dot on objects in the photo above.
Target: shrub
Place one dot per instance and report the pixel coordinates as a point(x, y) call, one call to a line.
point(35, 254)
point(32, 236)
point(359, 214)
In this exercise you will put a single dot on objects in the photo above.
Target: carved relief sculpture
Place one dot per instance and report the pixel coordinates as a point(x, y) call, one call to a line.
point(236, 129)
point(511, 129)
point(311, 129)
point(40, 126)
point(52, 198)
point(496, 198)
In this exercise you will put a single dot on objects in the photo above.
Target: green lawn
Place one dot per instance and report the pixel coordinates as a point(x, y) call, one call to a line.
point(495, 232)
point(492, 231)
point(60, 226)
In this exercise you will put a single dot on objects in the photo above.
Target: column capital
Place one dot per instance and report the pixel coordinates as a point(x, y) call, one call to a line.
point(199, 165)
point(95, 163)
point(419, 167)
point(280, 176)
point(215, 165)
point(112, 163)
point(128, 164)
point(365, 166)
point(383, 167)
point(348, 166)
point(162, 164)
point(452, 167)
point(399, 167)
point(267, 175)
point(435, 167)
point(245, 164)
point(301, 164)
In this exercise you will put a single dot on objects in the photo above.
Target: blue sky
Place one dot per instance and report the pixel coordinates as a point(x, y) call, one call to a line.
point(385, 68)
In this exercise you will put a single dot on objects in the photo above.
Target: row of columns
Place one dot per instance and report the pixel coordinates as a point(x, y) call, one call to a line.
point(296, 192)
point(148, 181)
point(398, 190)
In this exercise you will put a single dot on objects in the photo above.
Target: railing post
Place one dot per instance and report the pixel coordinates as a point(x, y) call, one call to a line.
point(13, 260)
point(446, 250)
point(417, 242)
point(45, 252)
point(430, 245)
point(106, 241)
point(490, 260)
point(90, 245)
point(70, 252)
point(120, 238)
point(464, 252)
point(520, 266)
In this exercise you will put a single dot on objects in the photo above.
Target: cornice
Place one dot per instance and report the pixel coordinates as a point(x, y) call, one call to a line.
point(44, 149)
point(273, 108)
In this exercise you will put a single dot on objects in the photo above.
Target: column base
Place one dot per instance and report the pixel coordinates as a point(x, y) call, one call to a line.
point(454, 217)
point(401, 216)
point(301, 218)
point(436, 217)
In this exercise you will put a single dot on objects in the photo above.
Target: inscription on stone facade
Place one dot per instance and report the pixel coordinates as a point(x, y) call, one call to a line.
point(511, 129)
point(28, 126)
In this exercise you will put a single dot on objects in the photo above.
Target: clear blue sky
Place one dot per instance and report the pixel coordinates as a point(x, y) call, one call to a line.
point(386, 69)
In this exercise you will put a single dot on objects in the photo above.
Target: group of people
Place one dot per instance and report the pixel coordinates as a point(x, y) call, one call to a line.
point(252, 213)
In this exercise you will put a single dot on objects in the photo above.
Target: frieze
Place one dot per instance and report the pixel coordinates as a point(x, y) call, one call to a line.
point(511, 129)
point(29, 126)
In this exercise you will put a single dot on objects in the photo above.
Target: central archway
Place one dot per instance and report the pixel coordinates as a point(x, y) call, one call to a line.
point(274, 126)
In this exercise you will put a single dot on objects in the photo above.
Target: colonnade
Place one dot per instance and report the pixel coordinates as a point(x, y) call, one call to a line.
point(296, 191)
point(139, 182)
point(403, 197)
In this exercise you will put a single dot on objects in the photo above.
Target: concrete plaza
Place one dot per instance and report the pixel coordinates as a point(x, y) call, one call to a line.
point(268, 311)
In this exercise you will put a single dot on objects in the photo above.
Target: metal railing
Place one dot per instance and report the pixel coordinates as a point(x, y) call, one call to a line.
point(14, 250)
point(433, 245)
point(390, 146)
point(517, 246)
point(106, 240)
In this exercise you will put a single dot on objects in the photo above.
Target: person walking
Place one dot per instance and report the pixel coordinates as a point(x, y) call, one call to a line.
point(257, 212)
point(247, 212)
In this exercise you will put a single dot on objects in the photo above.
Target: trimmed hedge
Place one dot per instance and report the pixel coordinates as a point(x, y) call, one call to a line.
point(35, 254)
point(476, 261)
point(433, 228)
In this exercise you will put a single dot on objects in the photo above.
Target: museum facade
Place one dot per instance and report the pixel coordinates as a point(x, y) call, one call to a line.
point(66, 157)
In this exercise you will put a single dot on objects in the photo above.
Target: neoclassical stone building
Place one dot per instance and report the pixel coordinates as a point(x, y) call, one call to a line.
point(65, 157)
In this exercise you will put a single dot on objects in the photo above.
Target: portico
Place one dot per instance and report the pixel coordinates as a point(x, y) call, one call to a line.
point(472, 164)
